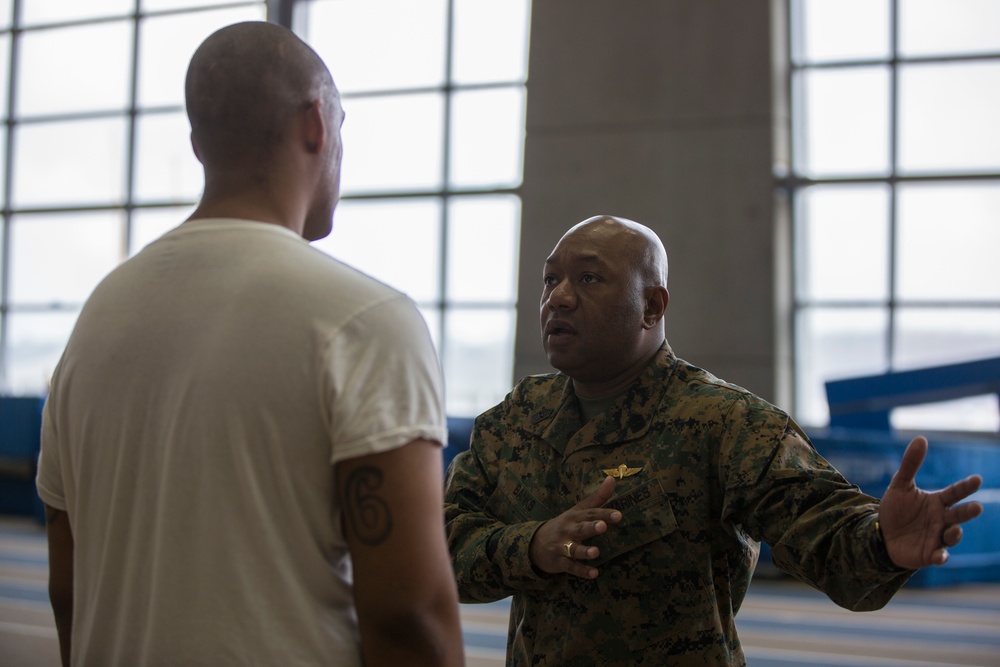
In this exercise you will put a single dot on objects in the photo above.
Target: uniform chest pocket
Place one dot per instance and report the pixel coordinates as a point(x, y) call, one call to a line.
point(514, 502)
point(646, 516)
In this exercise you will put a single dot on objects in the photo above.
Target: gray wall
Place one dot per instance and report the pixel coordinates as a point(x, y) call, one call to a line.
point(663, 111)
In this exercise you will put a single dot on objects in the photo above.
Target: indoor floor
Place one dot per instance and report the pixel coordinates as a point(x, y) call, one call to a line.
point(782, 623)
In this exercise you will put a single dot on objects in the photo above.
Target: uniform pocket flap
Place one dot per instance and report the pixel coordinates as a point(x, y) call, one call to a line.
point(646, 516)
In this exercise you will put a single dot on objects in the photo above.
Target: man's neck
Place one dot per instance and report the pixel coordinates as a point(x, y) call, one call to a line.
point(604, 388)
point(247, 209)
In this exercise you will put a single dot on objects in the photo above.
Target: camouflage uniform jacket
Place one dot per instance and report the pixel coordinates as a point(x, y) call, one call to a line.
point(719, 470)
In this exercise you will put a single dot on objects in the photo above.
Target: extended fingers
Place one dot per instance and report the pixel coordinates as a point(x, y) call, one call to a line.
point(960, 490)
point(573, 555)
point(582, 531)
point(595, 516)
point(586, 529)
point(560, 544)
point(962, 513)
point(952, 535)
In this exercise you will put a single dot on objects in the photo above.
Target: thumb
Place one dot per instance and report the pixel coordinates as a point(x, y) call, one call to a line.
point(913, 458)
point(599, 497)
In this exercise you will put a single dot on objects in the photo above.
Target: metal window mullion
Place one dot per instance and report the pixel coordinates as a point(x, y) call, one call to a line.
point(281, 12)
point(892, 180)
point(8, 191)
point(909, 60)
point(798, 182)
point(131, 157)
point(794, 183)
point(787, 184)
point(110, 18)
point(447, 91)
point(417, 90)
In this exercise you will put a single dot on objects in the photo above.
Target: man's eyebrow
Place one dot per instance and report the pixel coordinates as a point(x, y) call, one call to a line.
point(589, 258)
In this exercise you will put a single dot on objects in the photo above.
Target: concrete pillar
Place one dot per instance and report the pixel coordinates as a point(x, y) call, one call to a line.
point(663, 111)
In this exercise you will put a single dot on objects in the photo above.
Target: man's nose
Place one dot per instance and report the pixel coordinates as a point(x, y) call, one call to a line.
point(562, 296)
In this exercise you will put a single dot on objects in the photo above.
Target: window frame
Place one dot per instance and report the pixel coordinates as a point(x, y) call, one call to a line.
point(795, 183)
point(284, 12)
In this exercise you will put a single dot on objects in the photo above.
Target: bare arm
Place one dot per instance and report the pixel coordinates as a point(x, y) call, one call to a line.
point(61, 576)
point(404, 588)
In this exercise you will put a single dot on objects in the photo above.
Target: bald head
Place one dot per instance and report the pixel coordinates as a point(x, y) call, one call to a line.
point(641, 247)
point(244, 84)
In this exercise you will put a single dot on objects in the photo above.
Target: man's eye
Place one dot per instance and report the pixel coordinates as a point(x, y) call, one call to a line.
point(588, 278)
point(549, 280)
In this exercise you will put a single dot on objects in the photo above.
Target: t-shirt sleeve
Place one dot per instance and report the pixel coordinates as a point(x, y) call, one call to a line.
point(383, 382)
point(49, 478)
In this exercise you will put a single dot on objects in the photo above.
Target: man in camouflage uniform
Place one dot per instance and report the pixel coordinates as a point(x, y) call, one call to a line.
point(621, 501)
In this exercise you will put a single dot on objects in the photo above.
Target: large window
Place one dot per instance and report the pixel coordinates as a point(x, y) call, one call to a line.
point(434, 93)
point(97, 160)
point(896, 184)
point(96, 154)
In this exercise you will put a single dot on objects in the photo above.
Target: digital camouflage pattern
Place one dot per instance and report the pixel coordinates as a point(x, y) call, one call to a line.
point(720, 470)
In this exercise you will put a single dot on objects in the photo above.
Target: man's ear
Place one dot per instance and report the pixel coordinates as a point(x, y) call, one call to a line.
point(656, 305)
point(314, 133)
point(194, 147)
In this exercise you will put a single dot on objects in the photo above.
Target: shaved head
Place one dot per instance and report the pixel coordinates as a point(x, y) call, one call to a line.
point(244, 84)
point(641, 246)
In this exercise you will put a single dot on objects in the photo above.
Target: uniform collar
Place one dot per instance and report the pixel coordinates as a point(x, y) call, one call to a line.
point(557, 418)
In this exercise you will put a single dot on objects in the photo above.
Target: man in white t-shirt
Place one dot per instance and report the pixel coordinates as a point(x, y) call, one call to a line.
point(241, 448)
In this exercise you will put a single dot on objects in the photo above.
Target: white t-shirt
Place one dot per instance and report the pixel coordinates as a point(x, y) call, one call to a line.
point(209, 385)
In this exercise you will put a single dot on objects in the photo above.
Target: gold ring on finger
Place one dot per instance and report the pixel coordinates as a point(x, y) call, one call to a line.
point(568, 549)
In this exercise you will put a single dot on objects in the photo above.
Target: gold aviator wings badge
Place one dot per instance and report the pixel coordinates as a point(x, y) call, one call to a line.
point(621, 471)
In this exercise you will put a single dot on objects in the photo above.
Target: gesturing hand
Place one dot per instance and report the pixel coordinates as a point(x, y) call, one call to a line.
point(919, 525)
point(558, 545)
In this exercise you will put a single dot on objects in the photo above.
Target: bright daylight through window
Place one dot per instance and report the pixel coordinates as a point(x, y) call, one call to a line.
point(895, 180)
point(100, 163)
point(896, 185)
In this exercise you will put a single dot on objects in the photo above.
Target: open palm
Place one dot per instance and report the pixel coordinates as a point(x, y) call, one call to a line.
point(919, 525)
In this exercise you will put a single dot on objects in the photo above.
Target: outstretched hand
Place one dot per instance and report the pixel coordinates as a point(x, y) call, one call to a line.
point(557, 545)
point(919, 525)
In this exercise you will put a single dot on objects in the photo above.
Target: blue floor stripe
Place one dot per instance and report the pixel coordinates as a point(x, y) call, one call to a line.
point(499, 605)
point(474, 639)
point(860, 628)
point(24, 592)
point(757, 660)
point(770, 592)
point(27, 530)
point(8, 558)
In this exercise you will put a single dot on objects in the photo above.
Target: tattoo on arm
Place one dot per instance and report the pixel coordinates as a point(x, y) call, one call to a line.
point(367, 514)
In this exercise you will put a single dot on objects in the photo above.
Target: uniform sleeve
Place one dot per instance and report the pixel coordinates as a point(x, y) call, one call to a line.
point(489, 555)
point(820, 527)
